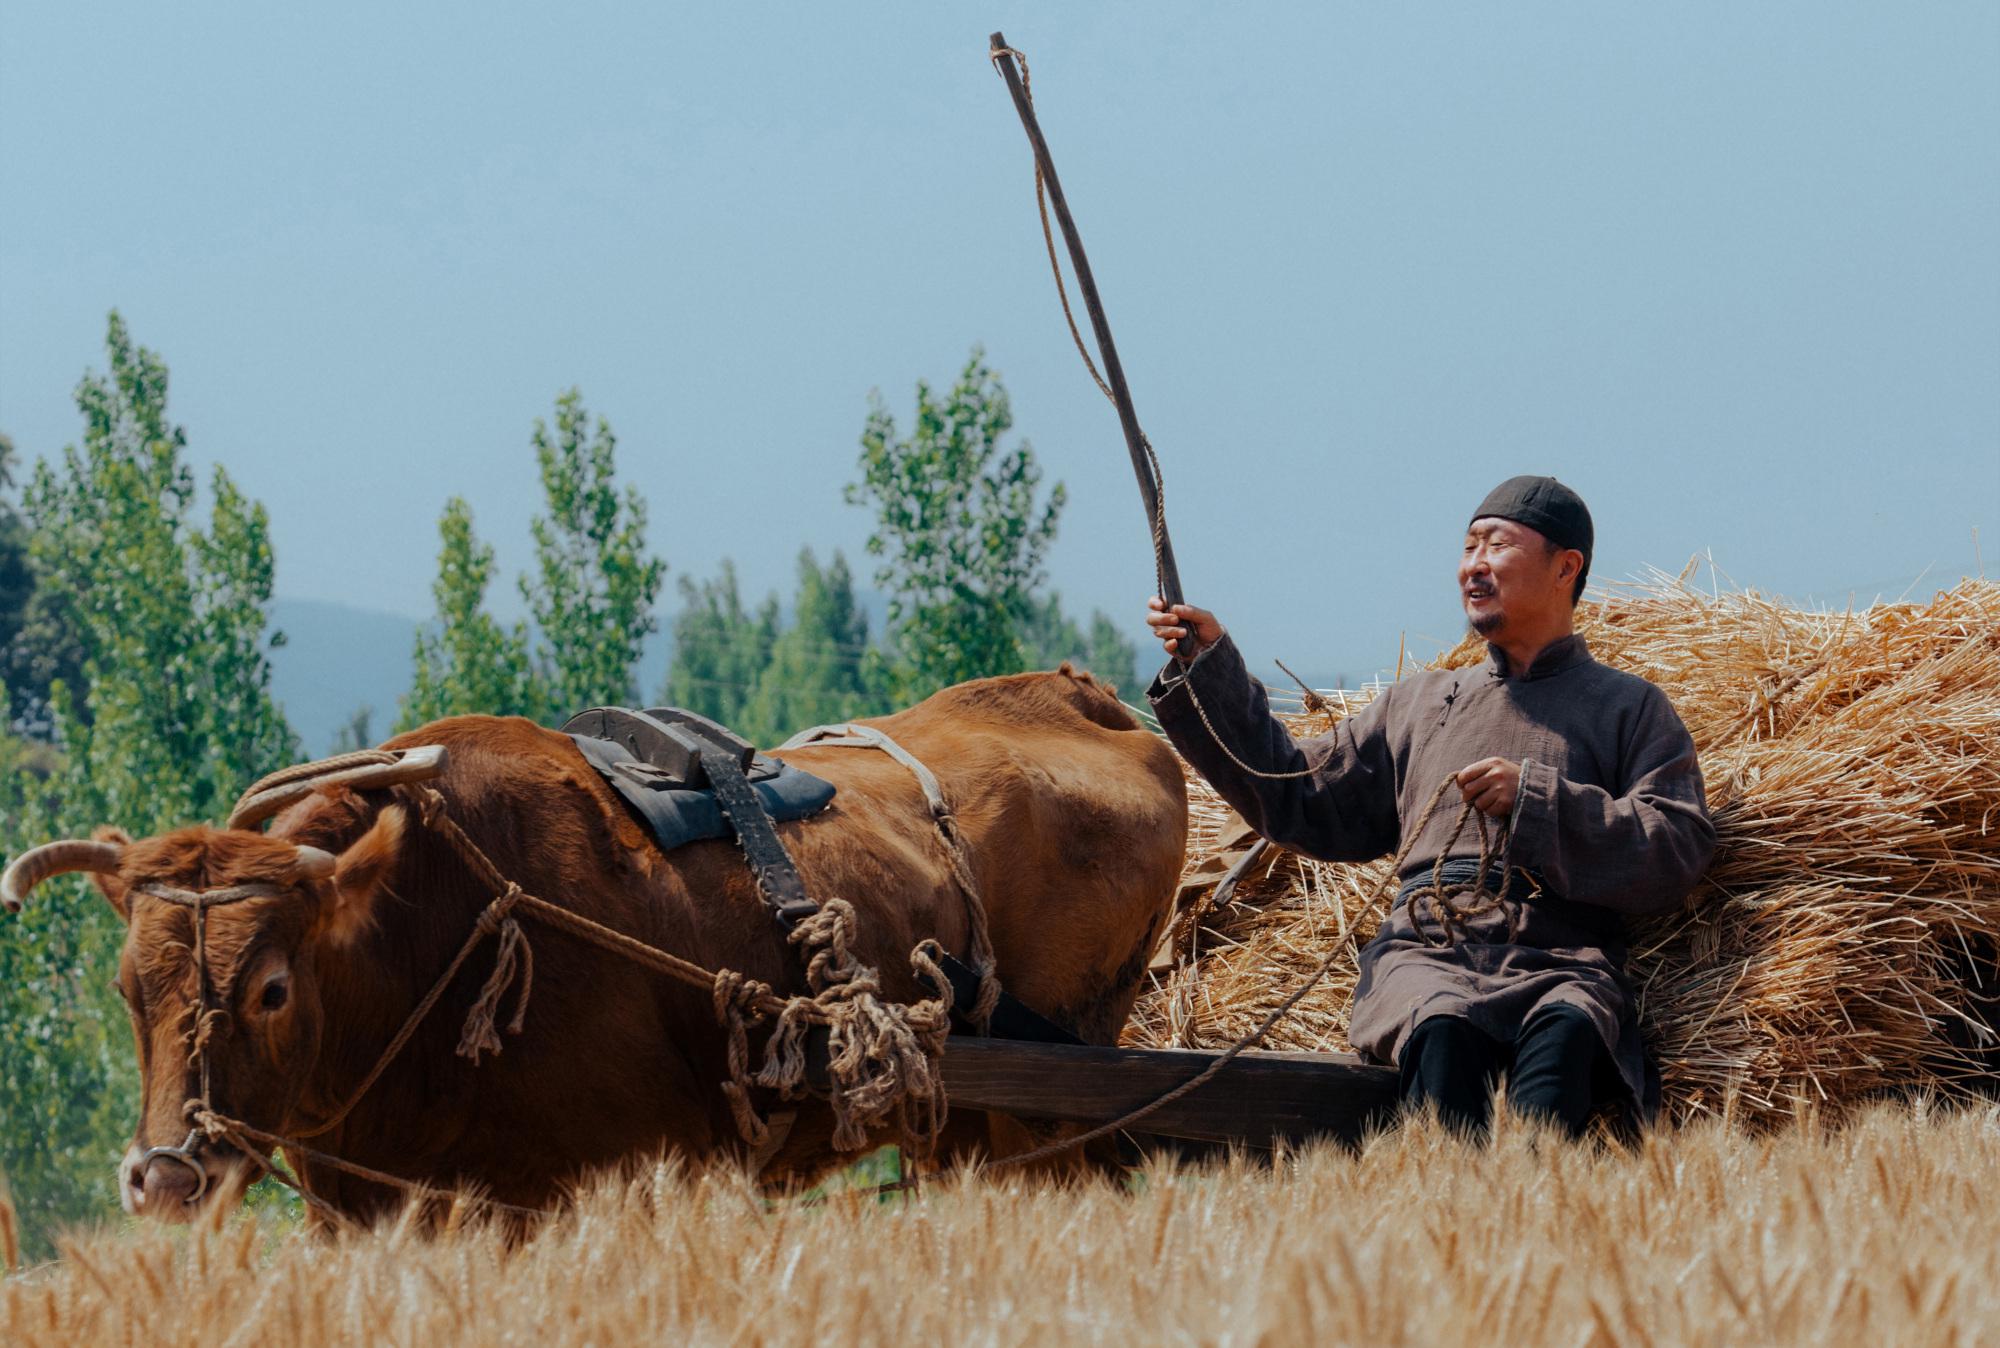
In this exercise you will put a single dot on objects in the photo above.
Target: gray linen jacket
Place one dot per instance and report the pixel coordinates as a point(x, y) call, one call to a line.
point(1611, 821)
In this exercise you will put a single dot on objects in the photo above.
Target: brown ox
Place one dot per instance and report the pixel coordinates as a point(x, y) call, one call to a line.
point(1074, 815)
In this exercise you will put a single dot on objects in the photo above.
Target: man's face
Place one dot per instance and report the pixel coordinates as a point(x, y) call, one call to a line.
point(1509, 577)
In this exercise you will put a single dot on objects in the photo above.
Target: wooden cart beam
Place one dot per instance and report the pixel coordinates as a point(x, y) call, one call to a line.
point(1259, 1099)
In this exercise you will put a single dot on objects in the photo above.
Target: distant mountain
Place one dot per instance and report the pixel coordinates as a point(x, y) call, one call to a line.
point(337, 659)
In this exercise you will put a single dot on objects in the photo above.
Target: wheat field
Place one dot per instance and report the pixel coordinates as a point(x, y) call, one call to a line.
point(1792, 1204)
point(1881, 1231)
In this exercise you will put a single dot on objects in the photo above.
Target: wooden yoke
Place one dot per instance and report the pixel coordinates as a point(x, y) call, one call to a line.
point(1143, 462)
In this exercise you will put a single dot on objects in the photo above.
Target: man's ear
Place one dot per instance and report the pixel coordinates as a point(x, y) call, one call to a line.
point(361, 877)
point(1569, 568)
point(109, 883)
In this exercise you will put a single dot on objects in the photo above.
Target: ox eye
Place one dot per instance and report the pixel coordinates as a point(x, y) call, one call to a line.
point(275, 993)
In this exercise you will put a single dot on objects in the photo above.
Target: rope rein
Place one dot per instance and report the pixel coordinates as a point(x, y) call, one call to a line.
point(1207, 1074)
point(883, 1054)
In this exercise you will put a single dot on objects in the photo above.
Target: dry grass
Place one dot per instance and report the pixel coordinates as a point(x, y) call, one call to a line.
point(1862, 1234)
point(1852, 768)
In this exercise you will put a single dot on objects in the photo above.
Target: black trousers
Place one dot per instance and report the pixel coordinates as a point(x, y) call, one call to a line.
point(1555, 1069)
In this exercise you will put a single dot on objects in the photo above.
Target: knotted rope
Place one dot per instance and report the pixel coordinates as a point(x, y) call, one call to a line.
point(945, 819)
point(515, 957)
point(1453, 903)
point(883, 1054)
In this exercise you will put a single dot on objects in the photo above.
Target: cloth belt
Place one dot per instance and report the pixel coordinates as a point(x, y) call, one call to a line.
point(1463, 871)
point(1600, 926)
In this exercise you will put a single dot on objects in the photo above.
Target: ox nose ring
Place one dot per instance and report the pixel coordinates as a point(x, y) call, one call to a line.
point(186, 1157)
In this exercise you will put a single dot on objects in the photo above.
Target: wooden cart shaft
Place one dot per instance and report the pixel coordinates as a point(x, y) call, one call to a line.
point(1259, 1099)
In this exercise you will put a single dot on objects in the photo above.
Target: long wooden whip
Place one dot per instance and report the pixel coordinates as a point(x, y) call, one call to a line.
point(1013, 68)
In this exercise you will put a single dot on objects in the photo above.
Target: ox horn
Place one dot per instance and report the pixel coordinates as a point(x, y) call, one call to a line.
point(380, 768)
point(57, 858)
point(315, 863)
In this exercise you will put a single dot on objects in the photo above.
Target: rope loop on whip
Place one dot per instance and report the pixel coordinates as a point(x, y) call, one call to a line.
point(1159, 479)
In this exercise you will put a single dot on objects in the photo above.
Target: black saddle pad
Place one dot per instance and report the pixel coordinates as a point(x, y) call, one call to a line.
point(677, 815)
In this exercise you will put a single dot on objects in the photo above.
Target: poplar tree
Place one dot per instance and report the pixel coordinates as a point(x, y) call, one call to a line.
point(170, 717)
point(720, 648)
point(591, 593)
point(960, 531)
point(465, 660)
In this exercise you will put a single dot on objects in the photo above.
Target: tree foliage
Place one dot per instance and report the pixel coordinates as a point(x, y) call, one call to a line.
point(822, 668)
point(589, 598)
point(720, 648)
point(16, 580)
point(171, 717)
point(1052, 637)
point(591, 595)
point(959, 531)
point(465, 660)
point(175, 712)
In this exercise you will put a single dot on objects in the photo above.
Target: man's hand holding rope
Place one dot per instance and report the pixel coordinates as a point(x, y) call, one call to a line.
point(1491, 786)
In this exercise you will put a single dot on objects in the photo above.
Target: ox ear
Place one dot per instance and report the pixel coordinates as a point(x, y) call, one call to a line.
point(361, 876)
point(109, 883)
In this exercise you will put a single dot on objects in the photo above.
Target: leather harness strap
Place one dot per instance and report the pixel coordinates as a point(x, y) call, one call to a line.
point(778, 882)
point(1006, 1016)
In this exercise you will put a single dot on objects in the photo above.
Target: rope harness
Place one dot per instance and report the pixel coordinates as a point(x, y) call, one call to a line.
point(1478, 899)
point(868, 737)
point(884, 1054)
point(882, 1061)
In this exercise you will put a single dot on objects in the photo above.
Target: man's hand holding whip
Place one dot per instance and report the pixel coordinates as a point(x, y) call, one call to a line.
point(1186, 631)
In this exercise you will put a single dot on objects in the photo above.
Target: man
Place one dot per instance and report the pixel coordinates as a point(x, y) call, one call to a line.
point(1589, 768)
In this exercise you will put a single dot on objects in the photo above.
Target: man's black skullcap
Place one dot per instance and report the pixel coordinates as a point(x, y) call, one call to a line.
point(1546, 506)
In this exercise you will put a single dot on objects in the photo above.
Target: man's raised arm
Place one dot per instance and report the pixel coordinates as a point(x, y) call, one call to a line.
point(1332, 797)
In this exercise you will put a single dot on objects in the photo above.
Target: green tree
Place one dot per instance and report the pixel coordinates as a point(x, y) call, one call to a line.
point(720, 648)
point(958, 528)
point(822, 668)
point(591, 596)
point(465, 660)
point(16, 580)
point(170, 719)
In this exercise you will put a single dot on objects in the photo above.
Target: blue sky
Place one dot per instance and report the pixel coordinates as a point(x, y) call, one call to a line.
point(1732, 271)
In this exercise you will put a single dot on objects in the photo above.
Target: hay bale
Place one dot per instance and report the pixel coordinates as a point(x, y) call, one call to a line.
point(1842, 943)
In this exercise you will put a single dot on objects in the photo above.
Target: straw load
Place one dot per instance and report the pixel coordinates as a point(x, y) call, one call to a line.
point(1842, 943)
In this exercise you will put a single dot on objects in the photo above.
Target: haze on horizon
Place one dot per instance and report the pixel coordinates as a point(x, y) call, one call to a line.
point(1732, 273)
